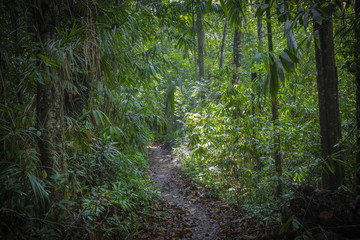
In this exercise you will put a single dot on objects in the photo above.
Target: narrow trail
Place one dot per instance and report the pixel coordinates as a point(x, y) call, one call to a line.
point(186, 212)
point(198, 217)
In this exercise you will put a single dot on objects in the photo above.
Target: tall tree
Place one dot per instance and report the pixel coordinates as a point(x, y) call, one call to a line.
point(357, 83)
point(327, 84)
point(260, 38)
point(201, 42)
point(223, 44)
point(237, 54)
point(193, 39)
point(50, 91)
point(274, 107)
point(235, 12)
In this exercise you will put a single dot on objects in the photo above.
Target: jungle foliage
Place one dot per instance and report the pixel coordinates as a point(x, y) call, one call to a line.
point(87, 85)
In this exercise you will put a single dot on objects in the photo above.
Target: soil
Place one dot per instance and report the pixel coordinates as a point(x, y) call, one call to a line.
point(185, 212)
point(198, 216)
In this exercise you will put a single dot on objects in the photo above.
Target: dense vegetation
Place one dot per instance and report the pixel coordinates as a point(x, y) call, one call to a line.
point(260, 99)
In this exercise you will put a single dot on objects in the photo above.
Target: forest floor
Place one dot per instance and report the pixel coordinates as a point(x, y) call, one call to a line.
point(186, 212)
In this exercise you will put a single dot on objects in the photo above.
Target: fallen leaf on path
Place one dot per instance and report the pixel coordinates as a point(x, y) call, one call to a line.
point(224, 225)
point(216, 217)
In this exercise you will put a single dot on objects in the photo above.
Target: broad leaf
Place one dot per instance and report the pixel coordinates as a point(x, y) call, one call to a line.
point(316, 16)
point(287, 62)
point(280, 72)
point(306, 19)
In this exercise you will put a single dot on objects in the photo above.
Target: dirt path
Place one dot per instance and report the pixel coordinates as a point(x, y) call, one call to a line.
point(186, 212)
point(196, 216)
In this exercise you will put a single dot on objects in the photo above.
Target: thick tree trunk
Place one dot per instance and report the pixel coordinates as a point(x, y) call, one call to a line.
point(330, 125)
point(223, 45)
point(236, 56)
point(357, 83)
point(201, 42)
point(275, 113)
point(50, 94)
point(50, 113)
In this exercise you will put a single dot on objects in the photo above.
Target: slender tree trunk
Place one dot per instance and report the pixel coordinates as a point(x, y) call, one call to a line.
point(257, 155)
point(223, 44)
point(253, 111)
point(14, 21)
point(330, 125)
point(275, 113)
point(196, 68)
point(50, 94)
point(259, 31)
point(357, 83)
point(254, 76)
point(201, 42)
point(193, 38)
point(260, 37)
point(236, 55)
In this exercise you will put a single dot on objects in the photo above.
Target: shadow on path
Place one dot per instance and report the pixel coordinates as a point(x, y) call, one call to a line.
point(196, 215)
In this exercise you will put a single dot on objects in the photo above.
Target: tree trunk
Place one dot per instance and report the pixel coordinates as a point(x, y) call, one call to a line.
point(259, 31)
point(223, 45)
point(201, 41)
point(357, 83)
point(196, 68)
point(277, 156)
point(275, 113)
point(50, 94)
point(193, 38)
point(330, 125)
point(260, 37)
point(236, 56)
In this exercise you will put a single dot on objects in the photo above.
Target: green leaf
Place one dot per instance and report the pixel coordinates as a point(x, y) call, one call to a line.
point(266, 83)
point(306, 19)
point(285, 227)
point(317, 38)
point(297, 225)
point(223, 5)
point(316, 16)
point(37, 185)
point(153, 72)
point(291, 41)
point(65, 204)
point(273, 78)
point(292, 56)
point(257, 58)
point(208, 5)
point(287, 62)
point(100, 117)
point(260, 57)
point(48, 61)
point(330, 167)
point(280, 71)
point(39, 78)
point(170, 103)
point(308, 43)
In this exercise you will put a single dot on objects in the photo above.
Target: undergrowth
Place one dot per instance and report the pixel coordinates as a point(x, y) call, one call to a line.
point(107, 189)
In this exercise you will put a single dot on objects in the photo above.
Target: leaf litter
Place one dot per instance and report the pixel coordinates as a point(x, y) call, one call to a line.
point(185, 212)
